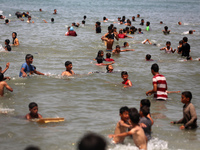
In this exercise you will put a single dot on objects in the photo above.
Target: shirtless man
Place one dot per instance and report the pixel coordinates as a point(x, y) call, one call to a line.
point(3, 84)
point(117, 50)
point(137, 132)
point(109, 41)
point(69, 71)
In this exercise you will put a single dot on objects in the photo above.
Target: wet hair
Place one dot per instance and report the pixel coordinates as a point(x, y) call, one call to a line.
point(123, 18)
point(120, 31)
point(98, 23)
point(111, 25)
point(148, 56)
point(99, 59)
point(52, 19)
point(161, 22)
point(125, 44)
point(99, 53)
point(68, 63)
point(83, 21)
point(190, 32)
point(92, 141)
point(29, 16)
point(1, 76)
point(32, 104)
point(181, 42)
point(84, 17)
point(133, 18)
point(31, 147)
point(168, 42)
point(185, 39)
point(145, 102)
point(124, 73)
point(14, 37)
point(108, 55)
point(124, 30)
point(133, 109)
point(127, 28)
point(145, 110)
point(117, 46)
point(134, 116)
point(148, 23)
point(187, 94)
point(104, 18)
point(139, 29)
point(109, 28)
point(28, 56)
point(7, 41)
point(6, 21)
point(166, 28)
point(155, 67)
point(123, 109)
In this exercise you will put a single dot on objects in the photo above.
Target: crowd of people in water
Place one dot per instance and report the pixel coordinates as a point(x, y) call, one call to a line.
point(134, 123)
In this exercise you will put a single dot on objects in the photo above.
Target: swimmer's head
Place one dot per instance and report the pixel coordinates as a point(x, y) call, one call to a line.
point(115, 28)
point(73, 24)
point(121, 22)
point(32, 105)
point(28, 56)
point(154, 68)
point(55, 11)
point(161, 22)
point(124, 113)
point(100, 53)
point(147, 23)
point(138, 15)
point(29, 59)
point(1, 76)
point(142, 20)
point(108, 55)
point(40, 9)
point(68, 65)
point(109, 68)
point(119, 18)
point(117, 47)
point(144, 111)
point(166, 28)
point(83, 21)
point(133, 18)
point(126, 44)
point(104, 18)
point(124, 75)
point(127, 28)
point(140, 30)
point(84, 17)
point(71, 29)
point(148, 57)
point(33, 108)
point(7, 41)
point(52, 19)
point(185, 39)
point(29, 17)
point(179, 23)
point(168, 43)
point(191, 32)
point(6, 21)
point(99, 60)
point(187, 95)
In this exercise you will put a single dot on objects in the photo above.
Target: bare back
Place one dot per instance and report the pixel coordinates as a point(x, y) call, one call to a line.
point(68, 73)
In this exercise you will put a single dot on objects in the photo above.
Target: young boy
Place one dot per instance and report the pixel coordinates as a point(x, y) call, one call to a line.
point(27, 68)
point(148, 28)
point(168, 49)
point(69, 71)
point(137, 132)
point(108, 55)
point(126, 44)
point(3, 84)
point(117, 50)
point(7, 47)
point(189, 114)
point(98, 27)
point(122, 125)
point(126, 81)
point(159, 84)
point(148, 57)
point(144, 112)
point(33, 108)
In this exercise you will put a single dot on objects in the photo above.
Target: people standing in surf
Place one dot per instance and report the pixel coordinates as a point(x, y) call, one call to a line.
point(15, 41)
point(68, 71)
point(159, 84)
point(185, 50)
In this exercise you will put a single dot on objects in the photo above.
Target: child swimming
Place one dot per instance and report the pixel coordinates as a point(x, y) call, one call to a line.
point(126, 81)
point(33, 108)
point(168, 49)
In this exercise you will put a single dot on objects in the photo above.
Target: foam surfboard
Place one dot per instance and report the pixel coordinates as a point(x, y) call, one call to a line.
point(48, 120)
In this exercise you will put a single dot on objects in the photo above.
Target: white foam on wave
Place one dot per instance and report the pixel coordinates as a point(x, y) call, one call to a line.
point(153, 144)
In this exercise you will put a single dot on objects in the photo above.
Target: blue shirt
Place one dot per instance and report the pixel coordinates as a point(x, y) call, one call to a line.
point(27, 68)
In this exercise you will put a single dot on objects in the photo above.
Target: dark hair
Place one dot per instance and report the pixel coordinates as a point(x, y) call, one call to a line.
point(145, 110)
point(84, 17)
point(99, 53)
point(108, 55)
point(148, 56)
point(7, 41)
point(109, 28)
point(187, 94)
point(190, 32)
point(52, 19)
point(29, 16)
point(68, 63)
point(155, 67)
point(145, 102)
point(124, 73)
point(6, 21)
point(14, 37)
point(117, 46)
point(98, 23)
point(133, 109)
point(92, 141)
point(1, 76)
point(168, 42)
point(104, 18)
point(28, 56)
point(148, 23)
point(185, 39)
point(125, 43)
point(166, 28)
point(83, 21)
point(181, 42)
point(112, 25)
point(134, 116)
point(32, 104)
point(99, 59)
point(31, 147)
point(123, 109)
point(139, 29)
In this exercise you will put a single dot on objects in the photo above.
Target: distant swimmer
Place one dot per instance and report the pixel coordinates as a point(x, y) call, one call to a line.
point(33, 108)
point(52, 20)
point(98, 27)
point(117, 50)
point(3, 85)
point(166, 31)
point(15, 39)
point(69, 71)
point(108, 55)
point(7, 43)
point(40, 10)
point(148, 57)
point(126, 44)
point(75, 24)
point(168, 49)
point(142, 22)
point(28, 69)
point(126, 81)
point(140, 31)
point(122, 35)
point(71, 32)
point(105, 19)
point(179, 23)
point(29, 20)
point(55, 11)
point(148, 28)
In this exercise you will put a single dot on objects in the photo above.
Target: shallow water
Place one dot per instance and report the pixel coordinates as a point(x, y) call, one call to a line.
point(91, 102)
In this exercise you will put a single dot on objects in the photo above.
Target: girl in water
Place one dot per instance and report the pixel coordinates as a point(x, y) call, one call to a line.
point(15, 40)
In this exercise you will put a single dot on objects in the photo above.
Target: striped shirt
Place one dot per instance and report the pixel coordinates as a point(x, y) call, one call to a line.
point(161, 92)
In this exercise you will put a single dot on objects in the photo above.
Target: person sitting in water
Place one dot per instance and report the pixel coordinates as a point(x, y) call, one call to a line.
point(166, 31)
point(33, 108)
point(117, 50)
point(7, 47)
point(69, 71)
point(140, 31)
point(29, 20)
point(28, 69)
point(71, 32)
point(168, 49)
point(15, 39)
point(148, 57)
point(126, 81)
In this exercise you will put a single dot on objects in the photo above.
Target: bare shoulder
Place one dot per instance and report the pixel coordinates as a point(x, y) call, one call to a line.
point(39, 116)
point(28, 117)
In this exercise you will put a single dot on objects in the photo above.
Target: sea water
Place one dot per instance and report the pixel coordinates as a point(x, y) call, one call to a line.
point(92, 102)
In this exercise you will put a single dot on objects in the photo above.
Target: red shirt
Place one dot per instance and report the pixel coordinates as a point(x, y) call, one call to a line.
point(109, 59)
point(122, 36)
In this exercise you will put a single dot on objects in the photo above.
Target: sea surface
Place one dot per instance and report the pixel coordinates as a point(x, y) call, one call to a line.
point(91, 103)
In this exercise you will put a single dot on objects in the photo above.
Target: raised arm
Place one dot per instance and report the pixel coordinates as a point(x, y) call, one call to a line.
point(7, 66)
